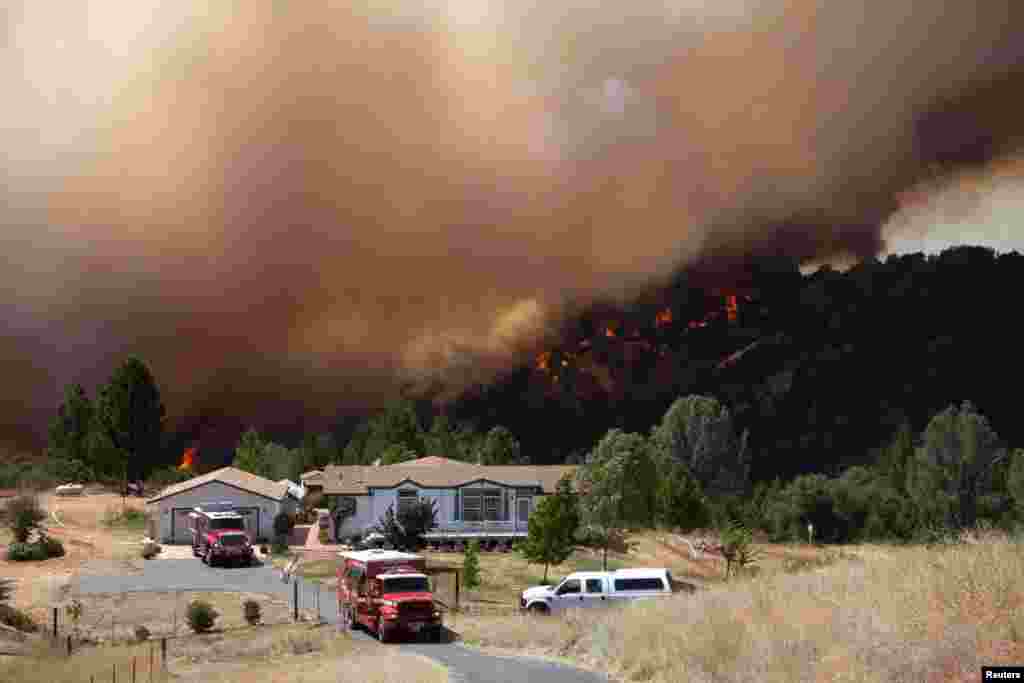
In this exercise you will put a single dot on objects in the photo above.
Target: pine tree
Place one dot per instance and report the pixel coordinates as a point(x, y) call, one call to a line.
point(471, 565)
point(552, 529)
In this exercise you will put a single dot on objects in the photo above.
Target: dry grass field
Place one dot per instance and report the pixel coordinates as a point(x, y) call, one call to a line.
point(873, 614)
point(292, 654)
point(504, 575)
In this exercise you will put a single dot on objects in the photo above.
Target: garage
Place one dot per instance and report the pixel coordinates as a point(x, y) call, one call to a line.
point(259, 500)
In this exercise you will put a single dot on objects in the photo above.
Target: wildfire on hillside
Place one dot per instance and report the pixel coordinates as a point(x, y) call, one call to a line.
point(626, 339)
point(188, 459)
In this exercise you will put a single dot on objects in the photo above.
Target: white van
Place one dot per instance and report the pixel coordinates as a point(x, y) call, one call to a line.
point(598, 589)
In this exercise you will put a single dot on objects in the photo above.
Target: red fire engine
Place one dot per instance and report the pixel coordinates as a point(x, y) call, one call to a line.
point(388, 593)
point(218, 535)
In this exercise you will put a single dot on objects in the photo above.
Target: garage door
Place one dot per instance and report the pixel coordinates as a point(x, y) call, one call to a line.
point(179, 525)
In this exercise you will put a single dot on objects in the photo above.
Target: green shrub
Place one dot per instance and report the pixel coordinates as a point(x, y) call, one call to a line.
point(72, 470)
point(251, 610)
point(32, 476)
point(738, 549)
point(26, 552)
point(471, 565)
point(15, 618)
point(23, 515)
point(279, 547)
point(201, 616)
point(322, 534)
point(51, 546)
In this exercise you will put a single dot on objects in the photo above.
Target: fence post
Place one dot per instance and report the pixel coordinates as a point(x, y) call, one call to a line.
point(151, 662)
point(295, 600)
point(133, 669)
point(69, 645)
point(163, 654)
point(54, 622)
point(113, 678)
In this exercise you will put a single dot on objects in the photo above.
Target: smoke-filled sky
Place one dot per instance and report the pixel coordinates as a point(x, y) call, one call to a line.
point(286, 207)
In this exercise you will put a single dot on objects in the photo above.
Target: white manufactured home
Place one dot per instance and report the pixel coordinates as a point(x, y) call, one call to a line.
point(473, 501)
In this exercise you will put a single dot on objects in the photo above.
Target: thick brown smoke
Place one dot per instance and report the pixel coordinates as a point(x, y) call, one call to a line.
point(289, 207)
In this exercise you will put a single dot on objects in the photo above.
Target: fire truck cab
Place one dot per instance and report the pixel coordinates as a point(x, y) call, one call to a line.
point(218, 535)
point(388, 593)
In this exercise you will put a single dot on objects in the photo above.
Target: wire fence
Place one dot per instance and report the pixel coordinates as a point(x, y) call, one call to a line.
point(88, 620)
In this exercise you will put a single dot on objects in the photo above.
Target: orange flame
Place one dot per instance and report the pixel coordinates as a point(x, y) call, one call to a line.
point(188, 459)
point(663, 317)
point(731, 308)
point(544, 361)
point(609, 331)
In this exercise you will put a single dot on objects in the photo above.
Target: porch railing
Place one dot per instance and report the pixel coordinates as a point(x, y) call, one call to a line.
point(490, 525)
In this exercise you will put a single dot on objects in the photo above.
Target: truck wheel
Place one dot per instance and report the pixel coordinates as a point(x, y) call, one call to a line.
point(539, 609)
point(383, 634)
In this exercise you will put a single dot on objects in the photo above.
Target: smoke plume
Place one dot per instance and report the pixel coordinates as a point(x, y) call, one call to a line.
point(289, 208)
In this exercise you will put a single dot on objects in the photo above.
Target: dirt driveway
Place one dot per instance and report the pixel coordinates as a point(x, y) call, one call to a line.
point(90, 547)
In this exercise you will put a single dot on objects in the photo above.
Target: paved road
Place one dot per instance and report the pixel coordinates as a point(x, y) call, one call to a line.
point(465, 665)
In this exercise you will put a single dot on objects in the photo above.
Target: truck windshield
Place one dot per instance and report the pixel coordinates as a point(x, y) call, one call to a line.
point(232, 540)
point(220, 524)
point(407, 584)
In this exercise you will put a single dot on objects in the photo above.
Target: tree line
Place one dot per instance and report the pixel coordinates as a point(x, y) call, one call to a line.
point(695, 467)
point(115, 435)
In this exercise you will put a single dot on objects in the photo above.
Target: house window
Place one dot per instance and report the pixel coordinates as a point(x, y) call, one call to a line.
point(492, 508)
point(472, 508)
point(482, 505)
point(407, 498)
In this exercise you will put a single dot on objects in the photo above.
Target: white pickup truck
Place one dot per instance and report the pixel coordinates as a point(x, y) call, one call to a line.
point(598, 589)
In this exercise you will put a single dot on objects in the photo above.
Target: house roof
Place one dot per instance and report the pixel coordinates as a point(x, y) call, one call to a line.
point(433, 460)
point(275, 490)
point(445, 473)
